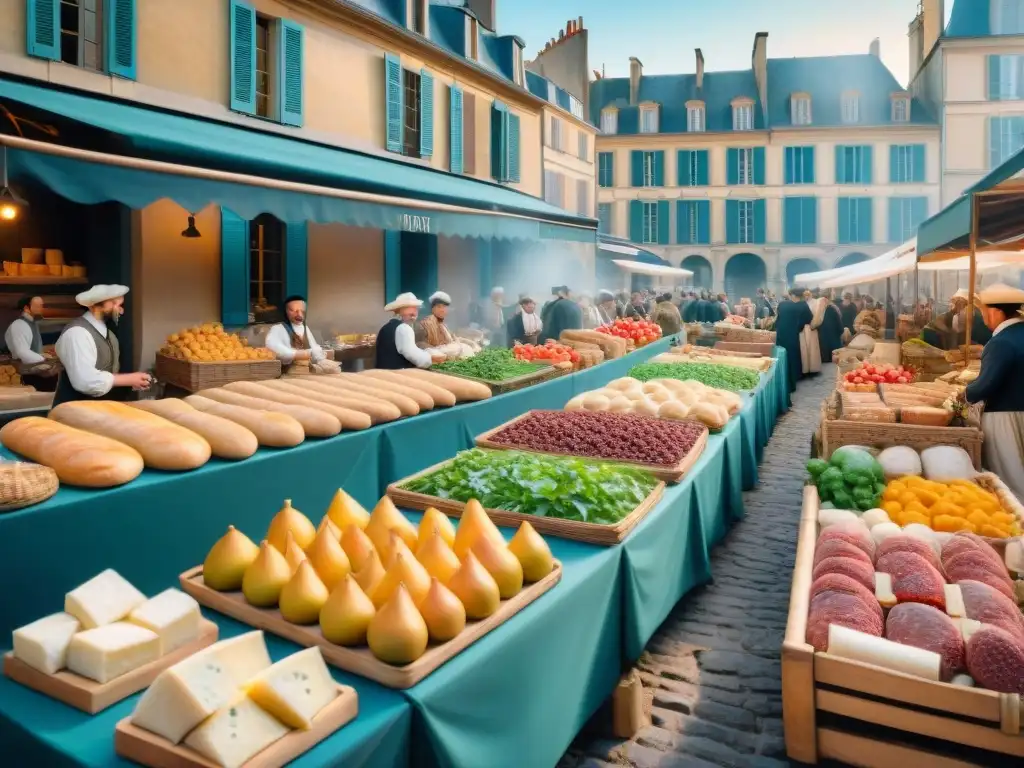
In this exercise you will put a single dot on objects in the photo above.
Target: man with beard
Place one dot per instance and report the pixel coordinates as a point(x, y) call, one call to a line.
point(89, 351)
point(292, 341)
point(432, 331)
point(25, 343)
point(396, 341)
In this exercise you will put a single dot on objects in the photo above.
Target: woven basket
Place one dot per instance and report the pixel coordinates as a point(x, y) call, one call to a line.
point(925, 358)
point(193, 377)
point(957, 355)
point(883, 435)
point(738, 333)
point(23, 484)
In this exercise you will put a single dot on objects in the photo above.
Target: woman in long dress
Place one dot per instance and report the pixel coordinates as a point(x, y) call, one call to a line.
point(810, 349)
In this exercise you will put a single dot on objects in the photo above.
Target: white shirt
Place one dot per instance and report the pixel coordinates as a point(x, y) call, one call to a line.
point(76, 350)
point(531, 324)
point(19, 342)
point(1007, 323)
point(405, 343)
point(280, 343)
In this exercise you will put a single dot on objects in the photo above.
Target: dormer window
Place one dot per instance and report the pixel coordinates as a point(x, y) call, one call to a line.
point(518, 67)
point(610, 121)
point(575, 107)
point(900, 108)
point(695, 117)
point(1006, 17)
point(851, 107)
point(552, 92)
point(800, 109)
point(649, 118)
point(742, 115)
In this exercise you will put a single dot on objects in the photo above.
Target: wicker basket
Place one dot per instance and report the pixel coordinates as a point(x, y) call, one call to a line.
point(837, 433)
point(926, 359)
point(193, 376)
point(743, 335)
point(957, 355)
point(23, 484)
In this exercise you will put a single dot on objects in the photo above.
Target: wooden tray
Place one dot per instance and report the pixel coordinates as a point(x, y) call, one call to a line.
point(148, 749)
point(518, 382)
point(590, 533)
point(857, 693)
point(360, 660)
point(671, 475)
point(92, 697)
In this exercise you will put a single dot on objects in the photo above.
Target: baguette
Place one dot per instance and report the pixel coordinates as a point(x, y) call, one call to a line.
point(438, 394)
point(162, 443)
point(378, 410)
point(366, 388)
point(78, 457)
point(315, 423)
point(379, 383)
point(227, 439)
point(272, 429)
point(463, 389)
point(349, 419)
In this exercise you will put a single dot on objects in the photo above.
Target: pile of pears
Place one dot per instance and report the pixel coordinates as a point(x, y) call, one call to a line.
point(375, 578)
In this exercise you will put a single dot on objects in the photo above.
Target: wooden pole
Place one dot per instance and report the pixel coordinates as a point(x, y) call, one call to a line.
point(970, 277)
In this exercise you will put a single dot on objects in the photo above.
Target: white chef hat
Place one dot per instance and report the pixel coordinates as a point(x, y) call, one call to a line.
point(1001, 293)
point(100, 293)
point(497, 291)
point(440, 297)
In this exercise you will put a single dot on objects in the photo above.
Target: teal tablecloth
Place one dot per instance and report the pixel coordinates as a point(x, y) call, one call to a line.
point(42, 732)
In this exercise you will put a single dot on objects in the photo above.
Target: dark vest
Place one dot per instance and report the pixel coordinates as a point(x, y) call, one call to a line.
point(108, 355)
point(298, 343)
point(387, 352)
point(36, 345)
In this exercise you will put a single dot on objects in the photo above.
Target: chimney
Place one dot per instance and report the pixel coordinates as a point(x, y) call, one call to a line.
point(700, 69)
point(876, 48)
point(759, 63)
point(916, 47)
point(933, 20)
point(636, 71)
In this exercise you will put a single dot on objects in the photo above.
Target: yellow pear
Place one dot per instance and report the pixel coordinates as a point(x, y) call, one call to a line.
point(371, 573)
point(289, 519)
point(435, 521)
point(475, 588)
point(397, 633)
point(227, 560)
point(357, 545)
point(501, 564)
point(292, 552)
point(266, 577)
point(387, 518)
point(346, 614)
point(346, 511)
point(330, 526)
point(437, 557)
point(404, 568)
point(328, 558)
point(443, 612)
point(532, 552)
point(303, 596)
point(474, 524)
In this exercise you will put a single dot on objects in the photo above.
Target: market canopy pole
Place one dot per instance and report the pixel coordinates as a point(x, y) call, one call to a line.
point(972, 272)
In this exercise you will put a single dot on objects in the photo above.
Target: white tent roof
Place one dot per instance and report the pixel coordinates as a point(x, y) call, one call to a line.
point(871, 272)
point(655, 270)
point(816, 279)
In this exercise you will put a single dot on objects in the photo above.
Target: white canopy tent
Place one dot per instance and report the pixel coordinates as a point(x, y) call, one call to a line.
point(654, 270)
point(815, 279)
point(871, 273)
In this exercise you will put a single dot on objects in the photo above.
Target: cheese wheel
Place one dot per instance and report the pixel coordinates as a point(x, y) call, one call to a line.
point(315, 423)
point(349, 419)
point(162, 443)
point(379, 411)
point(463, 389)
point(423, 400)
point(272, 429)
point(439, 395)
point(78, 457)
point(227, 439)
point(366, 388)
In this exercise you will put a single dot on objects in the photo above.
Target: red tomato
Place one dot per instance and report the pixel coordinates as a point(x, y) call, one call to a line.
point(902, 380)
point(858, 380)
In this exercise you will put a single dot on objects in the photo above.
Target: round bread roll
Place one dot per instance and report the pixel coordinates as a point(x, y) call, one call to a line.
point(621, 404)
point(646, 407)
point(576, 404)
point(660, 395)
point(624, 384)
point(673, 409)
point(593, 402)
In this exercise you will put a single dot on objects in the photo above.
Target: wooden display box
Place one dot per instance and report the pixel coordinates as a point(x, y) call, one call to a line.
point(518, 382)
point(749, 347)
point(836, 433)
point(835, 709)
point(195, 376)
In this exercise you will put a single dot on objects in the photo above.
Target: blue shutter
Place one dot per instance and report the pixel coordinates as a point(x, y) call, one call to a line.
point(684, 210)
point(732, 221)
point(42, 29)
point(920, 163)
point(809, 220)
point(683, 177)
point(760, 230)
point(663, 223)
point(789, 161)
point(865, 220)
point(732, 160)
point(426, 114)
point(758, 165)
point(393, 99)
point(290, 67)
point(866, 164)
point(659, 168)
point(895, 220)
point(636, 221)
point(843, 234)
point(791, 220)
point(513, 148)
point(841, 177)
point(455, 151)
point(636, 159)
point(993, 78)
point(243, 57)
point(894, 164)
point(919, 211)
point(296, 260)
point(702, 168)
point(499, 141)
point(808, 164)
point(702, 210)
point(994, 132)
point(120, 38)
point(234, 269)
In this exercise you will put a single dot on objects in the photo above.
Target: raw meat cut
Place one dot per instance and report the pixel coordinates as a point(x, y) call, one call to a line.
point(995, 659)
point(857, 570)
point(905, 543)
point(854, 532)
point(914, 580)
point(837, 582)
point(962, 542)
point(929, 628)
point(990, 606)
point(840, 548)
point(831, 607)
point(973, 565)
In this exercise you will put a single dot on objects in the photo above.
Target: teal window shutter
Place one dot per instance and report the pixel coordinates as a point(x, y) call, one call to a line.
point(296, 260)
point(499, 141)
point(841, 177)
point(513, 148)
point(808, 164)
point(918, 213)
point(685, 209)
point(636, 221)
point(393, 100)
point(758, 165)
point(732, 159)
point(42, 29)
point(920, 170)
point(234, 269)
point(865, 220)
point(683, 176)
point(702, 168)
point(895, 219)
point(789, 159)
point(993, 78)
point(290, 67)
point(791, 233)
point(243, 57)
point(844, 235)
point(809, 220)
point(702, 209)
point(659, 168)
point(426, 114)
point(663, 228)
point(636, 159)
point(760, 229)
point(732, 221)
point(894, 164)
point(995, 127)
point(120, 38)
point(866, 164)
point(455, 138)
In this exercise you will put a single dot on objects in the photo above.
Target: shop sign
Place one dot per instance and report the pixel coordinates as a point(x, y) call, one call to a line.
point(412, 223)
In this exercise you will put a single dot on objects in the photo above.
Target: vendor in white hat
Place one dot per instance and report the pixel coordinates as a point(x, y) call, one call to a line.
point(999, 385)
point(980, 334)
point(431, 331)
point(89, 352)
point(396, 341)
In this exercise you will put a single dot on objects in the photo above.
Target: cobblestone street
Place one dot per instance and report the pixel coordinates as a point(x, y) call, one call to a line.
point(711, 673)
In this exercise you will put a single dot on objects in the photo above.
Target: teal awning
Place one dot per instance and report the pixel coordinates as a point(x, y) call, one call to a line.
point(454, 205)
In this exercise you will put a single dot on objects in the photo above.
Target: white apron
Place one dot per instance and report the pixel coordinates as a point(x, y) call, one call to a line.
point(1003, 449)
point(810, 349)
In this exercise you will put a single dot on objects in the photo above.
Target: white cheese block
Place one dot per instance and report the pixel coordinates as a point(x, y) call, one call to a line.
point(103, 599)
point(173, 615)
point(193, 689)
point(954, 601)
point(883, 590)
point(850, 644)
point(235, 733)
point(295, 689)
point(106, 652)
point(43, 644)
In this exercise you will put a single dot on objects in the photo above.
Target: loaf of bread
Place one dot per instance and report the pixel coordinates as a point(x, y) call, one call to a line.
point(357, 385)
point(423, 400)
point(315, 422)
point(227, 439)
point(349, 419)
point(441, 396)
point(78, 457)
point(162, 443)
point(272, 429)
point(379, 411)
point(463, 389)
point(926, 416)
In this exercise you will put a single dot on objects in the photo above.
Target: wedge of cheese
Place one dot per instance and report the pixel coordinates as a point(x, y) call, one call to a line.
point(103, 599)
point(106, 652)
point(235, 733)
point(43, 644)
point(295, 689)
point(192, 690)
point(173, 615)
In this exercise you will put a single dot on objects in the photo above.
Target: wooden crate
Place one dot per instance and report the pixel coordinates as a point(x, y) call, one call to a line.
point(828, 702)
point(743, 335)
point(883, 435)
point(518, 382)
point(758, 349)
point(195, 376)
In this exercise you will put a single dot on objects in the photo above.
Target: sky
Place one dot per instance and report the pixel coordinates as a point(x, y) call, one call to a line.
point(664, 33)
